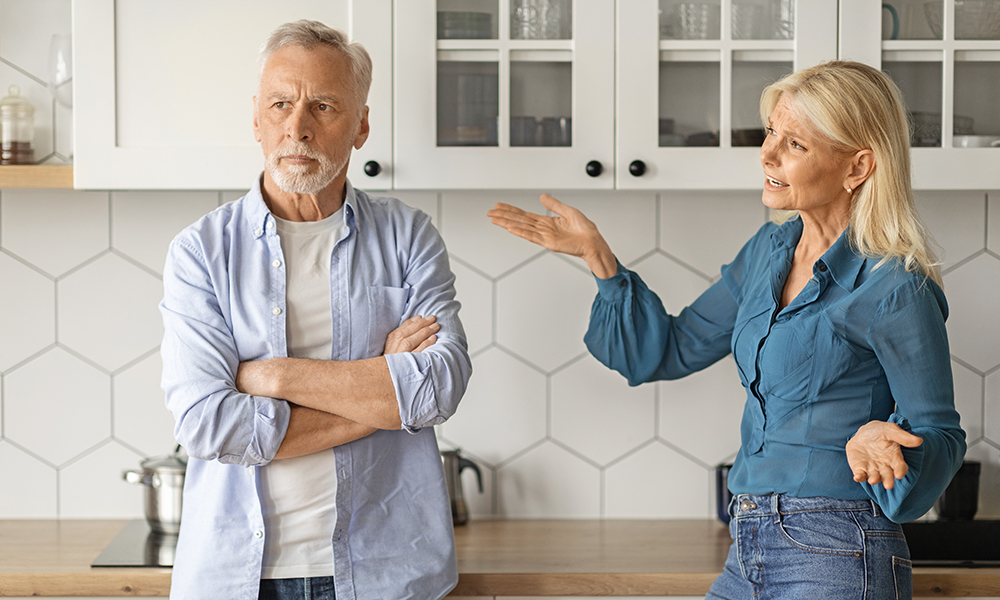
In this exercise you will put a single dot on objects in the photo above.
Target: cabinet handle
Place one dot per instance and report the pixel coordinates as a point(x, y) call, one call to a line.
point(594, 168)
point(637, 168)
point(372, 168)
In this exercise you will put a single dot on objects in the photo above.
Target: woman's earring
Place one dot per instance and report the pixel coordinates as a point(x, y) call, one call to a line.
point(850, 191)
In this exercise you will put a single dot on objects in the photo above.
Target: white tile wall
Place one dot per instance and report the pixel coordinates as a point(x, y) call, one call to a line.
point(556, 434)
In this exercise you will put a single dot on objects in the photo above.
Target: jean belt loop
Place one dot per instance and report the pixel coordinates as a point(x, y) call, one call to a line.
point(775, 504)
point(876, 509)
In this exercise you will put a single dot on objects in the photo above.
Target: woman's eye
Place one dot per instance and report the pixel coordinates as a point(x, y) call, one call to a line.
point(798, 145)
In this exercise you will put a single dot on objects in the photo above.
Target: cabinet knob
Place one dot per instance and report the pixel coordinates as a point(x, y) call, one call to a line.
point(637, 168)
point(372, 168)
point(594, 168)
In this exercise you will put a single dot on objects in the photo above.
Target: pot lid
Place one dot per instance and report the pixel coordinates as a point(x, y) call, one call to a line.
point(172, 463)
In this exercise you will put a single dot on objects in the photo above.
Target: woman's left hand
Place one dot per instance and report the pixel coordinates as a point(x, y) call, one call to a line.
point(874, 453)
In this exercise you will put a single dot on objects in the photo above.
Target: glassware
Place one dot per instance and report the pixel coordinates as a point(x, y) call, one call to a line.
point(17, 129)
point(541, 19)
point(61, 69)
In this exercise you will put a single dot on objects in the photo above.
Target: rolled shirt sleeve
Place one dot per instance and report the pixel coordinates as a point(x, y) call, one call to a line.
point(200, 359)
point(430, 384)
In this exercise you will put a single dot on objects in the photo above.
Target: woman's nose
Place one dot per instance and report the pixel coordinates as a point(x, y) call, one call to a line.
point(768, 151)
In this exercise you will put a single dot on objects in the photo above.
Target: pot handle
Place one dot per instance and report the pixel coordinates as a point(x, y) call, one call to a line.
point(137, 477)
point(463, 463)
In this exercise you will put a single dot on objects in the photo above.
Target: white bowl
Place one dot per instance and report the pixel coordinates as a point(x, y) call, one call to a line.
point(977, 141)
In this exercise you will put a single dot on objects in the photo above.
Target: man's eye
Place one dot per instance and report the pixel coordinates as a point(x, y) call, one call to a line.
point(323, 107)
point(280, 104)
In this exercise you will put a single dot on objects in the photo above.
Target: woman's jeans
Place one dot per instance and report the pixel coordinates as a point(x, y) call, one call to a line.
point(826, 548)
point(310, 588)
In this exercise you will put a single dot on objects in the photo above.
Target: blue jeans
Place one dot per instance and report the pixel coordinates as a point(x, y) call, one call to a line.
point(309, 588)
point(786, 547)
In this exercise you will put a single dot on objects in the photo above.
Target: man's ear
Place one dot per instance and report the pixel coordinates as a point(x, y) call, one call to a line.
point(256, 124)
point(363, 130)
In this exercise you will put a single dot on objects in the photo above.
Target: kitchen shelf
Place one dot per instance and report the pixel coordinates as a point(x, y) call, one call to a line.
point(36, 176)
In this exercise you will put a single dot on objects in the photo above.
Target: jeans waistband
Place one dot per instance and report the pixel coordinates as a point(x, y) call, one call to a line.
point(750, 505)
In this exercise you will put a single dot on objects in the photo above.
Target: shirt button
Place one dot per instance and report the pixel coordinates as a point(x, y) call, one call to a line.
point(256, 231)
point(270, 224)
point(258, 534)
point(276, 263)
point(276, 310)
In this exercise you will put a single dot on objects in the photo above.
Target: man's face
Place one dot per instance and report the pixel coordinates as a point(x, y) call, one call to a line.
point(307, 118)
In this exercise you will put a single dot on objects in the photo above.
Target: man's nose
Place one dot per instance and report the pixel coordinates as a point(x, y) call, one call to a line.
point(300, 125)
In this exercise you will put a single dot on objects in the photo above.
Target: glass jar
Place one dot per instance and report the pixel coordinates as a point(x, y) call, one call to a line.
point(17, 128)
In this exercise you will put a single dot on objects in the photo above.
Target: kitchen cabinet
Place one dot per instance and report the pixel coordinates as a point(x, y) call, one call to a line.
point(689, 84)
point(162, 91)
point(487, 99)
point(945, 57)
point(638, 83)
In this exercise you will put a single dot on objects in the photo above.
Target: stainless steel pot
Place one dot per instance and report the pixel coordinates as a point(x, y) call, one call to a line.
point(163, 477)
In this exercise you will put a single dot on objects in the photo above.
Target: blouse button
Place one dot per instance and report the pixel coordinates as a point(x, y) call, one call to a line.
point(821, 267)
point(623, 283)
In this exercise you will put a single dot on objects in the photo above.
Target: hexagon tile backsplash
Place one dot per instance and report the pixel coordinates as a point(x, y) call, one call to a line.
point(556, 434)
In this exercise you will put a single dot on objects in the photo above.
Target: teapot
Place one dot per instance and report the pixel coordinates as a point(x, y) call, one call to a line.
point(454, 463)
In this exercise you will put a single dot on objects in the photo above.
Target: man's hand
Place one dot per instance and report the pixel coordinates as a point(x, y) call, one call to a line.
point(874, 453)
point(415, 334)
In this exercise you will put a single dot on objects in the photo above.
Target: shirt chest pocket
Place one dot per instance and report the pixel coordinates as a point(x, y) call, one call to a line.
point(386, 306)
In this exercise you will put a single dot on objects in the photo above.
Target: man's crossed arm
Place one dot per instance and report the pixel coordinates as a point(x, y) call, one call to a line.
point(335, 402)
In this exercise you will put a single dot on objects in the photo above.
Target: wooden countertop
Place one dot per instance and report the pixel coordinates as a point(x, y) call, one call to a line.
point(495, 558)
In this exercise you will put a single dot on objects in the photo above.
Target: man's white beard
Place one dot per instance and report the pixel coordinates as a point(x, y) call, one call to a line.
point(296, 179)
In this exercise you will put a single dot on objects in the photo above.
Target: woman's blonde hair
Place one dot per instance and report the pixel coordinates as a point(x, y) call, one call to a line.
point(858, 107)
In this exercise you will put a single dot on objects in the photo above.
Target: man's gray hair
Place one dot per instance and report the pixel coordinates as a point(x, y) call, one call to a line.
point(309, 34)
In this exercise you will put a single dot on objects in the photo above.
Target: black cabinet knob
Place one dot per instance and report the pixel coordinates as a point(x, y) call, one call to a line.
point(372, 168)
point(637, 168)
point(594, 168)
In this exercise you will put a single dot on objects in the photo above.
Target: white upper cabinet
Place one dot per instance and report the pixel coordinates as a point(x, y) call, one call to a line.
point(504, 94)
point(163, 90)
point(690, 77)
point(945, 57)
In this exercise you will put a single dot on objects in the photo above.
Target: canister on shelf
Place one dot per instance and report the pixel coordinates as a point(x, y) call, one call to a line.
point(17, 128)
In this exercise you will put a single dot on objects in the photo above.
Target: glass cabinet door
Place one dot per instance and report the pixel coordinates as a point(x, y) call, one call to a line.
point(945, 57)
point(694, 72)
point(504, 93)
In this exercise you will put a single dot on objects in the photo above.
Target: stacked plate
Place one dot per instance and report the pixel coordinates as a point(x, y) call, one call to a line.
point(460, 25)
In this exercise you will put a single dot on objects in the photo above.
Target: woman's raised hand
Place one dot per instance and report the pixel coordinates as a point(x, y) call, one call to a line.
point(569, 232)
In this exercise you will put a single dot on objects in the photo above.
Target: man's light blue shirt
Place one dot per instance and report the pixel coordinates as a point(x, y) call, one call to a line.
point(224, 303)
point(863, 341)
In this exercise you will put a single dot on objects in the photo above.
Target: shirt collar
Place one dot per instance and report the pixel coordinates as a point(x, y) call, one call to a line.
point(259, 217)
point(843, 263)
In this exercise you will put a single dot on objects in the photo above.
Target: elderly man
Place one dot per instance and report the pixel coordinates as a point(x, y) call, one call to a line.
point(311, 340)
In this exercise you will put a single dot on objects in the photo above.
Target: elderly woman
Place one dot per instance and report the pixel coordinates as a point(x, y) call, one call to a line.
point(835, 317)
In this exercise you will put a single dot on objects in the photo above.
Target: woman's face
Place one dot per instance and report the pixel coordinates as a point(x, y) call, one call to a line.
point(802, 171)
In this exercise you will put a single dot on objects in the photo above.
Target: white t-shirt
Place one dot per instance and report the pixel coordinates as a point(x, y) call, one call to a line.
point(299, 494)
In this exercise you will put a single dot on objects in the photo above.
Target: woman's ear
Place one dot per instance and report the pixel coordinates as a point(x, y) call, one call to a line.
point(861, 166)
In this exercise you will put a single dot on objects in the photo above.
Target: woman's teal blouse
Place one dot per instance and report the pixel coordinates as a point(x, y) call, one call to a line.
point(861, 342)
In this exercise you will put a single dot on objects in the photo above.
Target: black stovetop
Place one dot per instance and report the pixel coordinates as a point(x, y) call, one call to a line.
point(138, 546)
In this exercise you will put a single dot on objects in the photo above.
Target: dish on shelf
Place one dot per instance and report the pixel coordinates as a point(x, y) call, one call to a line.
point(977, 141)
point(462, 25)
point(926, 132)
point(974, 19)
